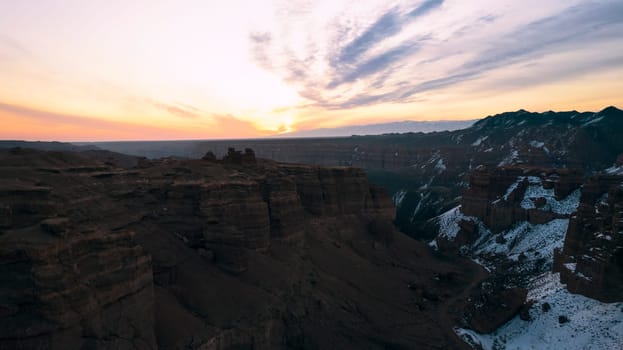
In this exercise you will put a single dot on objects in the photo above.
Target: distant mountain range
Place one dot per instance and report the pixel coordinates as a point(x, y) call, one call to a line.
point(384, 128)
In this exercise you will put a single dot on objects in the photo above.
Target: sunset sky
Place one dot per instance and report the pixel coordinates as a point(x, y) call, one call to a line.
point(79, 70)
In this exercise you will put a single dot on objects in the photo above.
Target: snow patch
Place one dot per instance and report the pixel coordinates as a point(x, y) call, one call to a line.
point(537, 144)
point(593, 121)
point(614, 170)
point(525, 240)
point(592, 324)
point(535, 190)
point(513, 187)
point(433, 244)
point(479, 140)
point(510, 159)
point(603, 200)
point(398, 197)
point(423, 198)
point(440, 166)
point(570, 266)
point(449, 222)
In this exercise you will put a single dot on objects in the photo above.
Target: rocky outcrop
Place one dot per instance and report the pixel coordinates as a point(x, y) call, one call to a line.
point(492, 305)
point(66, 289)
point(591, 260)
point(237, 157)
point(510, 220)
point(495, 195)
point(67, 283)
point(483, 199)
point(229, 217)
point(339, 192)
point(208, 254)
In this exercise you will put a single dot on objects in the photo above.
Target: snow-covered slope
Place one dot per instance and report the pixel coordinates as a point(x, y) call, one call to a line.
point(524, 254)
point(615, 170)
point(590, 324)
point(536, 190)
point(530, 246)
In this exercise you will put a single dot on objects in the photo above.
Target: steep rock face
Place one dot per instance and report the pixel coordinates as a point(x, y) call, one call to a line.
point(235, 214)
point(229, 217)
point(91, 289)
point(510, 220)
point(338, 192)
point(64, 282)
point(486, 187)
point(497, 195)
point(591, 261)
point(210, 254)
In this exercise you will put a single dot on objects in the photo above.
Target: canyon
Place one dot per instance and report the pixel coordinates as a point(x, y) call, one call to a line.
point(210, 253)
point(426, 173)
point(506, 234)
point(551, 241)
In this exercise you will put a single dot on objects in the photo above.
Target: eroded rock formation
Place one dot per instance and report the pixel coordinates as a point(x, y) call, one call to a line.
point(209, 254)
point(496, 195)
point(510, 220)
point(591, 261)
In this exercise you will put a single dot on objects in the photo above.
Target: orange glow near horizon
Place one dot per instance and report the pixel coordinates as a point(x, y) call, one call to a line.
point(164, 70)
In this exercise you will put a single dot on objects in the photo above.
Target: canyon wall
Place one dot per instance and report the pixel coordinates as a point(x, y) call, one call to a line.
point(65, 284)
point(177, 254)
point(591, 260)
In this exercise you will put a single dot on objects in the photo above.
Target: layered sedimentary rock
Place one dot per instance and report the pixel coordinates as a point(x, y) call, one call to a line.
point(67, 289)
point(510, 219)
point(486, 186)
point(497, 195)
point(66, 283)
point(208, 254)
point(591, 261)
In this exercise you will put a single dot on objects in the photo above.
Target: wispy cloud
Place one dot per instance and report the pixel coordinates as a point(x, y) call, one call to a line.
point(178, 109)
point(574, 26)
point(8, 43)
point(60, 119)
point(387, 25)
point(211, 126)
point(351, 63)
point(425, 7)
point(375, 64)
point(259, 45)
point(12, 49)
point(398, 57)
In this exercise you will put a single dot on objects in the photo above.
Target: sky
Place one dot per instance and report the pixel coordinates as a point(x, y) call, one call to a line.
point(75, 70)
